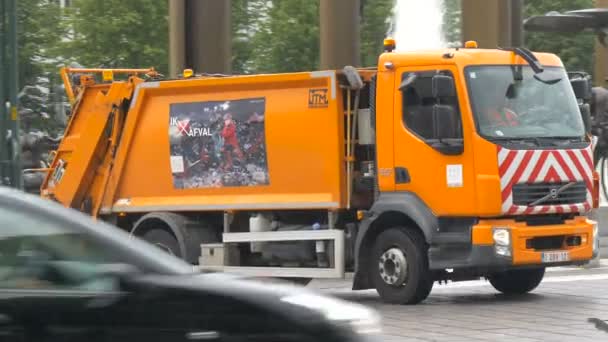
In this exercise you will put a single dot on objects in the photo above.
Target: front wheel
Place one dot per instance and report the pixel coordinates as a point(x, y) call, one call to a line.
point(399, 267)
point(517, 281)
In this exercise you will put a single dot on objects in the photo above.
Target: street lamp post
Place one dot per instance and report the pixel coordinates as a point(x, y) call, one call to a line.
point(10, 151)
point(13, 86)
point(3, 95)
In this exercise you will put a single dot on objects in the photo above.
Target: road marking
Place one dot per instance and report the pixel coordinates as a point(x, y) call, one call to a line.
point(555, 279)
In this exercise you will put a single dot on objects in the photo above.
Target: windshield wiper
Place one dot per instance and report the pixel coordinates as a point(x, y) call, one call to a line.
point(529, 57)
point(533, 62)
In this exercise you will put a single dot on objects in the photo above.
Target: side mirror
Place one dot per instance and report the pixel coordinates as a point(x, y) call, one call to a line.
point(586, 114)
point(445, 122)
point(582, 89)
point(407, 81)
point(447, 131)
point(353, 78)
point(443, 86)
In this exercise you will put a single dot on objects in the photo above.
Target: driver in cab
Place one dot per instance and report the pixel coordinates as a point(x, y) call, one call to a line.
point(497, 111)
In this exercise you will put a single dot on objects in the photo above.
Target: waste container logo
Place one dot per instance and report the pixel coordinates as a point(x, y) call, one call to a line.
point(317, 98)
point(218, 144)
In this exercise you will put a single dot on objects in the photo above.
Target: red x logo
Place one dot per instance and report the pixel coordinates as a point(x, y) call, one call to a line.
point(183, 126)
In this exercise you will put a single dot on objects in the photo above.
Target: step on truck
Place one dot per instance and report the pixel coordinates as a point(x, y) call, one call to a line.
point(444, 165)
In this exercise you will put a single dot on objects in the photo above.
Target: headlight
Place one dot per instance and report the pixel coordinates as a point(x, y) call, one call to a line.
point(359, 318)
point(502, 237)
point(502, 250)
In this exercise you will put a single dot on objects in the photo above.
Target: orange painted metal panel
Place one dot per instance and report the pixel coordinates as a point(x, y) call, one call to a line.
point(75, 138)
point(88, 138)
point(427, 167)
point(304, 145)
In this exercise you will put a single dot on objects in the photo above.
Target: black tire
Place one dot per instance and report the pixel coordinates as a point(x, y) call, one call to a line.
point(182, 236)
point(419, 282)
point(517, 281)
point(163, 240)
point(603, 175)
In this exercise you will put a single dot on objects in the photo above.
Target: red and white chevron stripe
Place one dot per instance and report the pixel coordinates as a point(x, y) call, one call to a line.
point(544, 166)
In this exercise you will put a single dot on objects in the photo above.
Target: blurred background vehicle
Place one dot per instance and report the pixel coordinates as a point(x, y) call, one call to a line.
point(64, 277)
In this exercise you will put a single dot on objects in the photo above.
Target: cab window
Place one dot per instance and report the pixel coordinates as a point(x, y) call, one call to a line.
point(420, 103)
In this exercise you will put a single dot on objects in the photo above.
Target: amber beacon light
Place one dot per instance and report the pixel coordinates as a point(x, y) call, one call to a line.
point(389, 44)
point(471, 44)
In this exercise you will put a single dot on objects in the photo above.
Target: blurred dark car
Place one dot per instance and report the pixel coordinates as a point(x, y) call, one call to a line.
point(64, 277)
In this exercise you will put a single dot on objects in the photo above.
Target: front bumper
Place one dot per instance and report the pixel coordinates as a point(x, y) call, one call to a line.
point(523, 251)
point(522, 237)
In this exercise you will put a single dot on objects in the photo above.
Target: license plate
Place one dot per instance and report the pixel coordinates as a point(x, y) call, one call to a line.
point(555, 256)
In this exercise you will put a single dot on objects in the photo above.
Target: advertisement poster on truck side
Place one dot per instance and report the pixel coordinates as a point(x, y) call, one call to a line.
point(218, 144)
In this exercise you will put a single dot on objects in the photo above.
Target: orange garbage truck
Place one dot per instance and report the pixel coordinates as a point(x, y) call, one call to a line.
point(445, 165)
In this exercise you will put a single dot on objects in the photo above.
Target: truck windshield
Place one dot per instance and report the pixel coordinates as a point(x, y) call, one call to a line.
point(511, 102)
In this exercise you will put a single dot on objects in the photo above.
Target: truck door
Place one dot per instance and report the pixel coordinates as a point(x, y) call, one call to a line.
point(432, 156)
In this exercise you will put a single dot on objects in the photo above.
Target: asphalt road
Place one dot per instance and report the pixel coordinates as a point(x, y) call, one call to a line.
point(558, 310)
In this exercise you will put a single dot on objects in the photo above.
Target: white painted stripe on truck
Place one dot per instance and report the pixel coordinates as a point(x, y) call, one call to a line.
point(139, 86)
point(327, 73)
point(243, 206)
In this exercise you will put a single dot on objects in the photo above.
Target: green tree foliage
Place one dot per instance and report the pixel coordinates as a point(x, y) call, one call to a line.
point(286, 36)
point(39, 39)
point(118, 33)
point(39, 34)
point(109, 33)
point(241, 21)
point(575, 50)
point(248, 16)
point(452, 23)
point(375, 23)
point(283, 35)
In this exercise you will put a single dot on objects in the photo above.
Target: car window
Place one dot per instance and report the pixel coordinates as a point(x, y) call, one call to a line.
point(38, 253)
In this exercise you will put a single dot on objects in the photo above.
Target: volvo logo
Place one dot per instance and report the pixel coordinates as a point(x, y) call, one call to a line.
point(553, 192)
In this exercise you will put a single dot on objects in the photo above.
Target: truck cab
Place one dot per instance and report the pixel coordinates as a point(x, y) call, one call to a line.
point(486, 152)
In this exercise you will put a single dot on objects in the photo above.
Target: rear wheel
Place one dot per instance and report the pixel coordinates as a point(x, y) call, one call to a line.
point(517, 281)
point(163, 240)
point(176, 234)
point(399, 267)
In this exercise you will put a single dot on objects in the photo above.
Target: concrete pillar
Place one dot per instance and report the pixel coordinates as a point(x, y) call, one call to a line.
point(177, 36)
point(339, 25)
point(489, 22)
point(208, 36)
point(601, 65)
point(199, 36)
point(601, 55)
point(517, 27)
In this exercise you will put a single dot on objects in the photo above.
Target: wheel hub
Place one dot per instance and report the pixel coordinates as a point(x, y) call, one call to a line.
point(393, 267)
